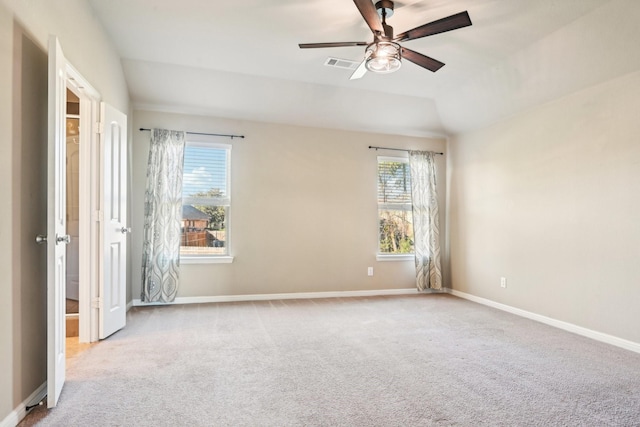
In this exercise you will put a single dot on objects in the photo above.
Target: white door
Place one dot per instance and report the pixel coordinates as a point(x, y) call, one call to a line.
point(57, 237)
point(113, 303)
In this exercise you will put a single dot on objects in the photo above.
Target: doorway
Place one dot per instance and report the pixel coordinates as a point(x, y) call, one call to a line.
point(72, 280)
point(80, 199)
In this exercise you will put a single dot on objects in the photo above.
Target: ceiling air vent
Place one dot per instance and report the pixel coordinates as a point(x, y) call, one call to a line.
point(341, 63)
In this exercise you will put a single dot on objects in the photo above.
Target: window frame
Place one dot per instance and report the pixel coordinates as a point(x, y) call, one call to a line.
point(207, 141)
point(383, 256)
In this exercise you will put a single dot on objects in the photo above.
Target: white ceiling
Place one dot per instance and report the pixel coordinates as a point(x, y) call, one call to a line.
point(240, 59)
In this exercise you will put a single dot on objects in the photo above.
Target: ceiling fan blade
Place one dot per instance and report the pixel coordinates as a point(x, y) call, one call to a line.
point(453, 22)
point(360, 71)
point(370, 15)
point(421, 60)
point(339, 44)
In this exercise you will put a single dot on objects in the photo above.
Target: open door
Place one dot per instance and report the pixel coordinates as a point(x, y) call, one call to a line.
point(57, 237)
point(104, 210)
point(113, 303)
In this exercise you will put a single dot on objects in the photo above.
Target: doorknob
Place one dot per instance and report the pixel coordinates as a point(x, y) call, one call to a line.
point(63, 239)
point(125, 230)
point(41, 238)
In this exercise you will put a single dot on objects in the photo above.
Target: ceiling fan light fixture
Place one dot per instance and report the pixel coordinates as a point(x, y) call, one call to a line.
point(383, 57)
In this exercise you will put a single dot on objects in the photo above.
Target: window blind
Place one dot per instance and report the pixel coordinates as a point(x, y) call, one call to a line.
point(206, 175)
point(394, 184)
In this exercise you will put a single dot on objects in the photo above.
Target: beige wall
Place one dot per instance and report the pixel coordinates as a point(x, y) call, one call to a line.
point(24, 32)
point(549, 199)
point(6, 235)
point(304, 213)
point(29, 201)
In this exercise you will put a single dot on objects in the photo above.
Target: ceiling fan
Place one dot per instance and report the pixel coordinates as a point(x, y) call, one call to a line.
point(384, 54)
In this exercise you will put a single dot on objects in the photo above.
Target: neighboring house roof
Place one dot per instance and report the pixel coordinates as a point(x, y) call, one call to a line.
point(189, 212)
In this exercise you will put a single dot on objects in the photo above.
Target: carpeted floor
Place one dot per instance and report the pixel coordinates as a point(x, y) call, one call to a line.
point(424, 360)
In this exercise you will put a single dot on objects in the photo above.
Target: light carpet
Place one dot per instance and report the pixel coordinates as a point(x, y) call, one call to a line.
point(424, 360)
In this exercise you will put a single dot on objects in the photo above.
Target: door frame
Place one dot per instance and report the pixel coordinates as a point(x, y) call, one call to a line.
point(89, 193)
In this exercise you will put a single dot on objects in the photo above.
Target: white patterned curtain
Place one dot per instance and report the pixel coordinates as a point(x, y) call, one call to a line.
point(162, 216)
point(426, 226)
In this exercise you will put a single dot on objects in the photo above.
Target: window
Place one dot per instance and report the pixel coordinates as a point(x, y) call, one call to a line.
point(395, 222)
point(206, 200)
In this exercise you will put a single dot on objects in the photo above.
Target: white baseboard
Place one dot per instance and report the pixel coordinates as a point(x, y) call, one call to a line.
point(129, 305)
point(570, 327)
point(20, 412)
point(270, 297)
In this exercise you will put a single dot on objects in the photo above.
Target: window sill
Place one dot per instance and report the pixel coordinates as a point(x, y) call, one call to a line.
point(206, 260)
point(399, 257)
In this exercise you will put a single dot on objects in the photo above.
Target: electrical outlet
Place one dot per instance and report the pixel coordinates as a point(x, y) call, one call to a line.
point(503, 282)
point(369, 271)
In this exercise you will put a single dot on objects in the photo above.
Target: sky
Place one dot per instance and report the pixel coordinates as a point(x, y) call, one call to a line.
point(204, 169)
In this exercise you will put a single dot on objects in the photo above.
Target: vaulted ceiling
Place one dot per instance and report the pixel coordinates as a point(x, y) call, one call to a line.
point(240, 59)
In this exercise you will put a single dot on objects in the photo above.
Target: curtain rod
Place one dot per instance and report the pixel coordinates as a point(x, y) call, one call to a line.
point(396, 149)
point(208, 134)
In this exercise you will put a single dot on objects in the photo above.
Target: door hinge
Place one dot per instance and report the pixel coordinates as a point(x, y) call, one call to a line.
point(95, 302)
point(98, 216)
point(100, 127)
